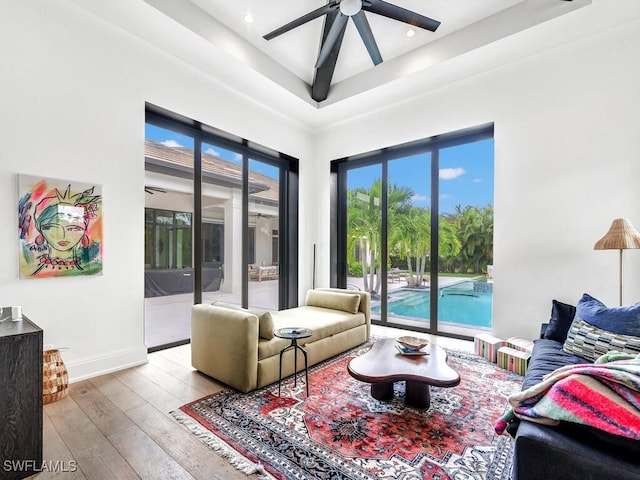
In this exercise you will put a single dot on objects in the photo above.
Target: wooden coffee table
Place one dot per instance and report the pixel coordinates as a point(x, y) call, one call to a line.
point(382, 365)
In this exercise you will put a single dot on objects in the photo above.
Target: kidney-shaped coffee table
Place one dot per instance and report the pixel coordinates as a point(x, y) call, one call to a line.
point(382, 365)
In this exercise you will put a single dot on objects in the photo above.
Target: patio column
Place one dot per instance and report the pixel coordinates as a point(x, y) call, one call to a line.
point(232, 243)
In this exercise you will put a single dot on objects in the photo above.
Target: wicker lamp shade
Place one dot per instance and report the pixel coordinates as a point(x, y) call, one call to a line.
point(621, 236)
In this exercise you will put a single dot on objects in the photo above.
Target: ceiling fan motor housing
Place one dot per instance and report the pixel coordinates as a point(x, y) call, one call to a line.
point(350, 7)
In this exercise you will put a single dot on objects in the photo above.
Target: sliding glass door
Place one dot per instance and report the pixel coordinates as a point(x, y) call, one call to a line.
point(221, 223)
point(169, 274)
point(409, 239)
point(214, 229)
point(415, 229)
point(465, 257)
point(364, 224)
point(264, 223)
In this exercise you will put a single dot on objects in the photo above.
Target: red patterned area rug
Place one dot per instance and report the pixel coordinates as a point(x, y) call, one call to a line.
point(341, 432)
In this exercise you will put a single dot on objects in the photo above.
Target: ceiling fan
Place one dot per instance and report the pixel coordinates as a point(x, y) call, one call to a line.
point(337, 14)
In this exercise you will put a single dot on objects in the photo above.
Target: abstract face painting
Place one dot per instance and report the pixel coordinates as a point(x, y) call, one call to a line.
point(59, 227)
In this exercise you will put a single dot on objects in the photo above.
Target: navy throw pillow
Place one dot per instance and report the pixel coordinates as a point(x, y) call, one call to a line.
point(560, 322)
point(620, 320)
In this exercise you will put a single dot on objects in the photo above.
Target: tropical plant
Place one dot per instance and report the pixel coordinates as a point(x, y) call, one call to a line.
point(449, 244)
point(474, 229)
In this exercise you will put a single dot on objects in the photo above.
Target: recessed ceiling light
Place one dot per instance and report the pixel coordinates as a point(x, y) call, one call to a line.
point(411, 32)
point(248, 18)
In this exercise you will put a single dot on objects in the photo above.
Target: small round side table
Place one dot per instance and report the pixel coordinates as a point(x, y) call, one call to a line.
point(294, 334)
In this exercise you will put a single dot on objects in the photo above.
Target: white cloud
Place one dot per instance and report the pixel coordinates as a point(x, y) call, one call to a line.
point(419, 198)
point(237, 157)
point(171, 143)
point(451, 173)
point(477, 180)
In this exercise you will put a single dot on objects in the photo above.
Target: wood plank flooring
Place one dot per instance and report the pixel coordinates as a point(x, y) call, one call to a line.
point(118, 426)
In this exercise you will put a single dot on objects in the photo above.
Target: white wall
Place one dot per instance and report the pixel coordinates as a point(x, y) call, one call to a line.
point(567, 161)
point(72, 97)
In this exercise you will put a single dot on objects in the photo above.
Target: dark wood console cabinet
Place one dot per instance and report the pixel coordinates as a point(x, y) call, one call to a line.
point(20, 397)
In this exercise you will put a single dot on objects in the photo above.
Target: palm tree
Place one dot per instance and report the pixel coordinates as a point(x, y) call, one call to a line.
point(364, 223)
point(410, 235)
point(449, 245)
point(363, 226)
point(475, 232)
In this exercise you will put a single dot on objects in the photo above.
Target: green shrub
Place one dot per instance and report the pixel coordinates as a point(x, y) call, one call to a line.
point(355, 269)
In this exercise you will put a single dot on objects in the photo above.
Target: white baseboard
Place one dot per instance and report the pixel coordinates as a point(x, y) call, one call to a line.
point(90, 367)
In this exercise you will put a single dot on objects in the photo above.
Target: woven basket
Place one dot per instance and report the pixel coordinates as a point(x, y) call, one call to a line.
point(55, 380)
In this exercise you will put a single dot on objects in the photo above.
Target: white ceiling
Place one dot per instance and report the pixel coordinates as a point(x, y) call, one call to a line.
point(211, 35)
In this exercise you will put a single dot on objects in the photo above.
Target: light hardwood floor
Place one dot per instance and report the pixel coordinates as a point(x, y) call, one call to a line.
point(118, 426)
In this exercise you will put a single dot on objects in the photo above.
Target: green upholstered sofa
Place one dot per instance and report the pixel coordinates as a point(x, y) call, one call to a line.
point(237, 346)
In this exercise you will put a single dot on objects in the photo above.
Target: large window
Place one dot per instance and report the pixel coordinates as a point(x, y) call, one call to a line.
point(415, 229)
point(221, 218)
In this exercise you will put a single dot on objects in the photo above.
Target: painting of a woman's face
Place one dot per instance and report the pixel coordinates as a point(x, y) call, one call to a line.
point(59, 227)
point(64, 230)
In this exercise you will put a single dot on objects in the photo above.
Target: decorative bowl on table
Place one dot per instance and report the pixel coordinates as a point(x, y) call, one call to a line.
point(412, 343)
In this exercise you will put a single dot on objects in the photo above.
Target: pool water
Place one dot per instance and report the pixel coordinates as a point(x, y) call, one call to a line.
point(459, 305)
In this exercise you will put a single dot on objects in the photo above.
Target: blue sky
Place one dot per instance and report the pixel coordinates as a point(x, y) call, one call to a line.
point(466, 176)
point(466, 171)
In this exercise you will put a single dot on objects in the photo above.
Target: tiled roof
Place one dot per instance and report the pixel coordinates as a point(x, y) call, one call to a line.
point(262, 186)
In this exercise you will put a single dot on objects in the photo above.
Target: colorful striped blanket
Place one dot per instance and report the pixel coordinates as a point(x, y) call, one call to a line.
point(604, 395)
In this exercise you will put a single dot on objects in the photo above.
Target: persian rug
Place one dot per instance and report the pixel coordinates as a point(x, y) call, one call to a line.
point(341, 432)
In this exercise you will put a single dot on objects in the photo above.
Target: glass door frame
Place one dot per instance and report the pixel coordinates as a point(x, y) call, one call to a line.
point(339, 187)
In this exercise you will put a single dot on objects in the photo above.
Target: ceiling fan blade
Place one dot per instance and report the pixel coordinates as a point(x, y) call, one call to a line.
point(401, 14)
point(336, 31)
point(302, 20)
point(324, 74)
point(362, 24)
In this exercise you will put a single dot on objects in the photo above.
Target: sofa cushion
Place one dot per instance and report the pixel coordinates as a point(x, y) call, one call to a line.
point(347, 302)
point(562, 315)
point(590, 342)
point(265, 321)
point(547, 356)
point(323, 321)
point(620, 320)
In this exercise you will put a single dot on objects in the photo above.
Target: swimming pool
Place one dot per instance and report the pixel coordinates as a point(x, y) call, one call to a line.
point(459, 304)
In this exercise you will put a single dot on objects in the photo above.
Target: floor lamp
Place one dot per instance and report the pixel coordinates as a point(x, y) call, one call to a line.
point(621, 236)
